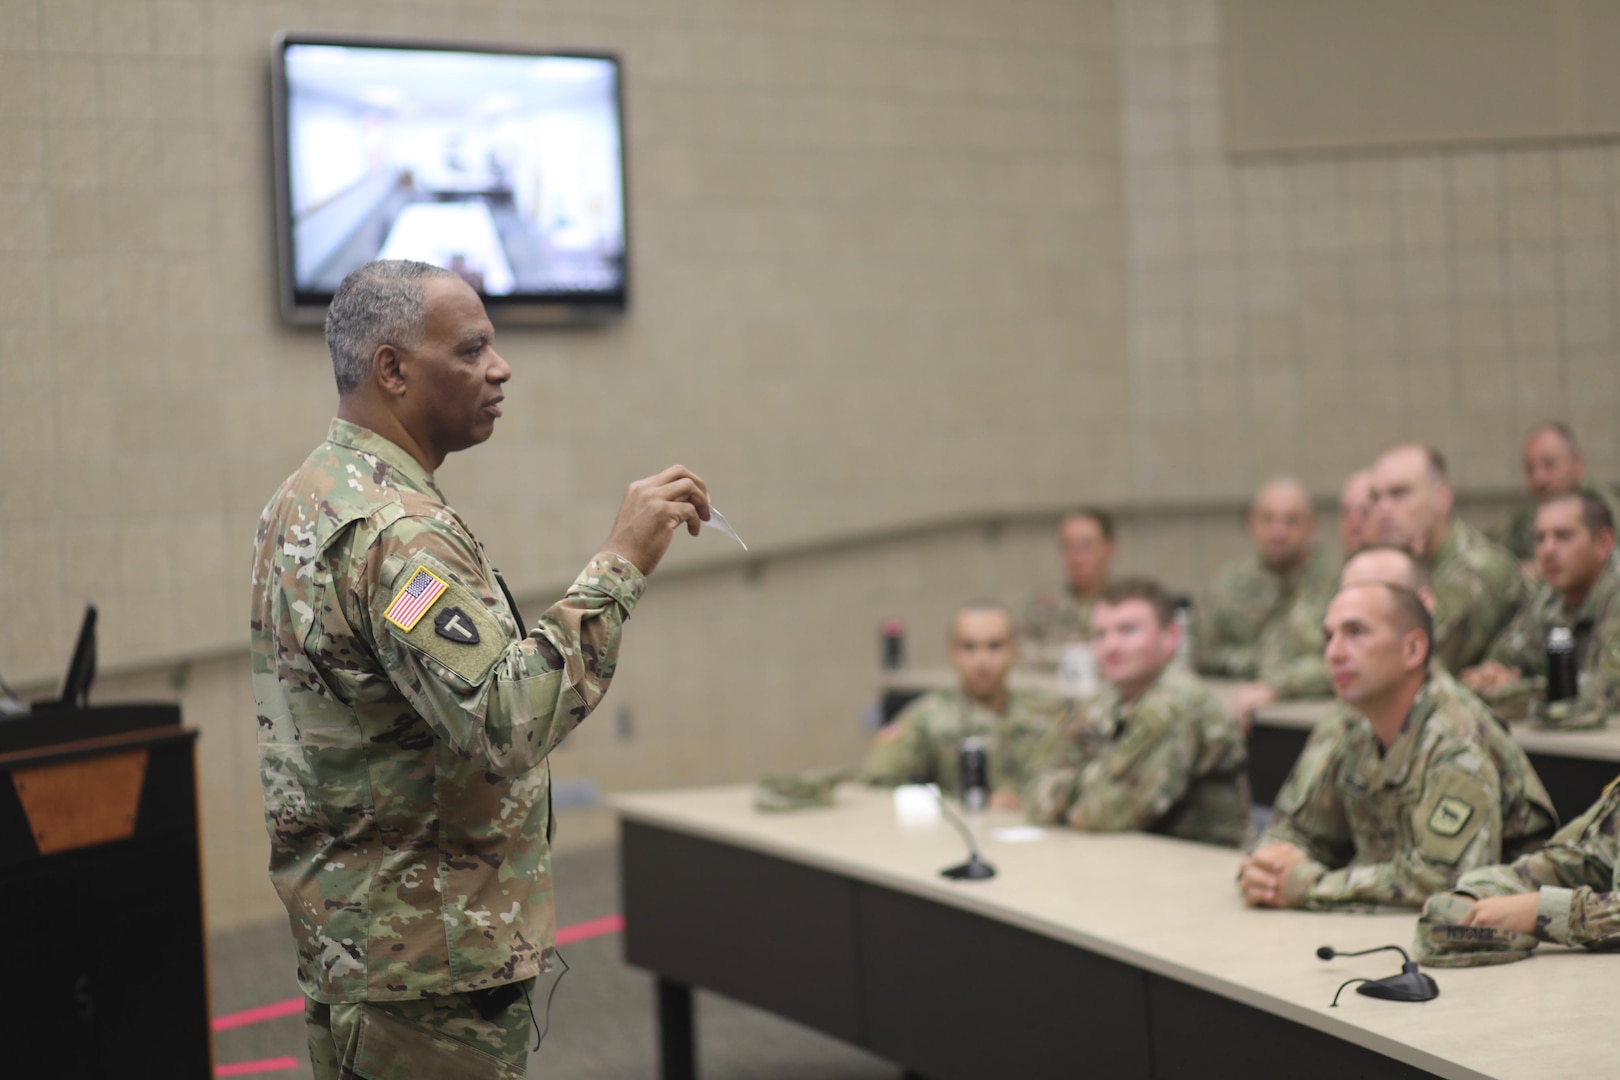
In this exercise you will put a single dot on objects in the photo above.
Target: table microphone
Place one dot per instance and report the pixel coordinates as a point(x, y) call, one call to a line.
point(975, 869)
point(1410, 985)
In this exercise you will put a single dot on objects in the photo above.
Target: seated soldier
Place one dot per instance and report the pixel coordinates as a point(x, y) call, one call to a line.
point(923, 745)
point(1568, 893)
point(1404, 786)
point(1553, 465)
point(1057, 617)
point(1355, 512)
point(1477, 585)
point(1580, 592)
point(1267, 611)
point(1155, 750)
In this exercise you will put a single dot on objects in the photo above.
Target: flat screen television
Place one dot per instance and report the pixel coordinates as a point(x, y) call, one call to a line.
point(502, 163)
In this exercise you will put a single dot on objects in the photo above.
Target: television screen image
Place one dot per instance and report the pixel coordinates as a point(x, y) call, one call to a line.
point(505, 167)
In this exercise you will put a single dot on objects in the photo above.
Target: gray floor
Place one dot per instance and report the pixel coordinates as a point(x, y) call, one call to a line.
point(601, 1020)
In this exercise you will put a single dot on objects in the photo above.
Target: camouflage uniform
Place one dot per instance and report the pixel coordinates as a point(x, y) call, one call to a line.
point(406, 791)
point(1170, 762)
point(1477, 590)
point(1393, 826)
point(1050, 621)
point(1245, 601)
point(924, 743)
point(1576, 874)
point(1596, 627)
point(1518, 533)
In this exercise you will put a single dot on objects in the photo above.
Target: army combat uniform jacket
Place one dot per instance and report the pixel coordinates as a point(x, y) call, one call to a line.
point(924, 743)
point(1170, 762)
point(1248, 602)
point(1595, 625)
point(1453, 793)
point(1053, 619)
point(1577, 876)
point(1477, 590)
point(404, 718)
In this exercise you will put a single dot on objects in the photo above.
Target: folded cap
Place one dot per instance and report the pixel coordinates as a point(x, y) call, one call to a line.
point(1443, 941)
point(795, 791)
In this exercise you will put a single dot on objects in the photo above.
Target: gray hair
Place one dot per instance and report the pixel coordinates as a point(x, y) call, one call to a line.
point(381, 303)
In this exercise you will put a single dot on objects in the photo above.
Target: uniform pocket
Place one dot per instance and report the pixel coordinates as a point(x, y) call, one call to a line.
point(393, 1048)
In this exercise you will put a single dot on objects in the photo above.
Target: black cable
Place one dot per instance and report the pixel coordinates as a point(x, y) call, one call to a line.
point(1340, 990)
point(539, 1035)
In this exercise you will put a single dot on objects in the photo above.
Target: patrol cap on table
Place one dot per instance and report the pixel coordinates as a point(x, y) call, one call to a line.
point(1443, 941)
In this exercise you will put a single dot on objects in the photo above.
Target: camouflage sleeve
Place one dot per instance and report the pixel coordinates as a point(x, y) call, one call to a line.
point(1516, 646)
point(1455, 826)
point(1216, 651)
point(1054, 772)
point(1579, 904)
point(1475, 609)
point(1136, 780)
point(1309, 813)
point(487, 690)
point(899, 753)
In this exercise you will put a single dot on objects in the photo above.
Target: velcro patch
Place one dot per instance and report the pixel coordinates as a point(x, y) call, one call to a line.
point(462, 634)
point(1452, 815)
point(1449, 816)
point(421, 588)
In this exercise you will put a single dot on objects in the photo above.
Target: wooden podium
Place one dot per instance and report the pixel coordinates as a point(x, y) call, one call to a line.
point(101, 895)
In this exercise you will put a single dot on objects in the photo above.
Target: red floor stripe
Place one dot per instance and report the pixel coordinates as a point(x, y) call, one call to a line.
point(583, 931)
point(259, 1015)
point(264, 1065)
point(567, 935)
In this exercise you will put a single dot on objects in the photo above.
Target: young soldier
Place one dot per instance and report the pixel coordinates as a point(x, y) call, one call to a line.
point(1155, 751)
point(1406, 785)
point(924, 743)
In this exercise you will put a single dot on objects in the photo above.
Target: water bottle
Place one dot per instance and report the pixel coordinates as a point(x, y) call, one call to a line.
point(975, 774)
point(894, 645)
point(1184, 619)
point(1562, 682)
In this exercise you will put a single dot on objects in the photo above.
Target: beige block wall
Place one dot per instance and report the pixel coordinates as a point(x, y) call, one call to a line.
point(1298, 314)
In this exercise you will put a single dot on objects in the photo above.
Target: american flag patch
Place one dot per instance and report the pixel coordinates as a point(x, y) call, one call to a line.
point(412, 602)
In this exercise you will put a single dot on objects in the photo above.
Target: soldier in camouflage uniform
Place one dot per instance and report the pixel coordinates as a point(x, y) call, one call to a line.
point(923, 745)
point(1155, 751)
point(1553, 465)
point(1477, 585)
point(1581, 593)
point(404, 710)
point(1567, 893)
point(1252, 594)
point(1261, 619)
point(1401, 789)
point(1055, 618)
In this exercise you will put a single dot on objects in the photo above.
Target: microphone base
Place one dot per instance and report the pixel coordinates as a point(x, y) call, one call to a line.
point(1410, 985)
point(975, 869)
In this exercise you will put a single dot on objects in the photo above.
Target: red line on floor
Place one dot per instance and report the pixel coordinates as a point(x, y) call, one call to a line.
point(259, 1015)
point(567, 935)
point(584, 931)
point(263, 1065)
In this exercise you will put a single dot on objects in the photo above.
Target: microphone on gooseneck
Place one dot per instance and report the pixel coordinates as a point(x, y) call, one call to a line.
point(975, 869)
point(1410, 985)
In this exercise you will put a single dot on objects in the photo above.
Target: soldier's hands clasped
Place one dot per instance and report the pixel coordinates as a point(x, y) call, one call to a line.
point(652, 510)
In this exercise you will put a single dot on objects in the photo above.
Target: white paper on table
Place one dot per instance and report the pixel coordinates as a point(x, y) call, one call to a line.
point(717, 520)
point(1018, 834)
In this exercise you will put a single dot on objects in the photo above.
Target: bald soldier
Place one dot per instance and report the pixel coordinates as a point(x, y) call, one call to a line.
point(406, 711)
point(1155, 750)
point(1403, 786)
point(1355, 512)
point(1062, 615)
point(1477, 585)
point(923, 745)
point(1580, 593)
point(1553, 465)
point(1262, 616)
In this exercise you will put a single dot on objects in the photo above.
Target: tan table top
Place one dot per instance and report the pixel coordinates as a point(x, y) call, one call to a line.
point(1172, 908)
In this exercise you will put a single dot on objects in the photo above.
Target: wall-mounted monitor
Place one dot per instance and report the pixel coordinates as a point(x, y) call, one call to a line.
point(504, 164)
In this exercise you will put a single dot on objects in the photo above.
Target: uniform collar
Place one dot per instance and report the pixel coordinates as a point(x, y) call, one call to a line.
point(1391, 767)
point(365, 441)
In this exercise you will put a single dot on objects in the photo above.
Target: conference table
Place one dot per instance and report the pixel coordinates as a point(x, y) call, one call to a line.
point(1123, 955)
